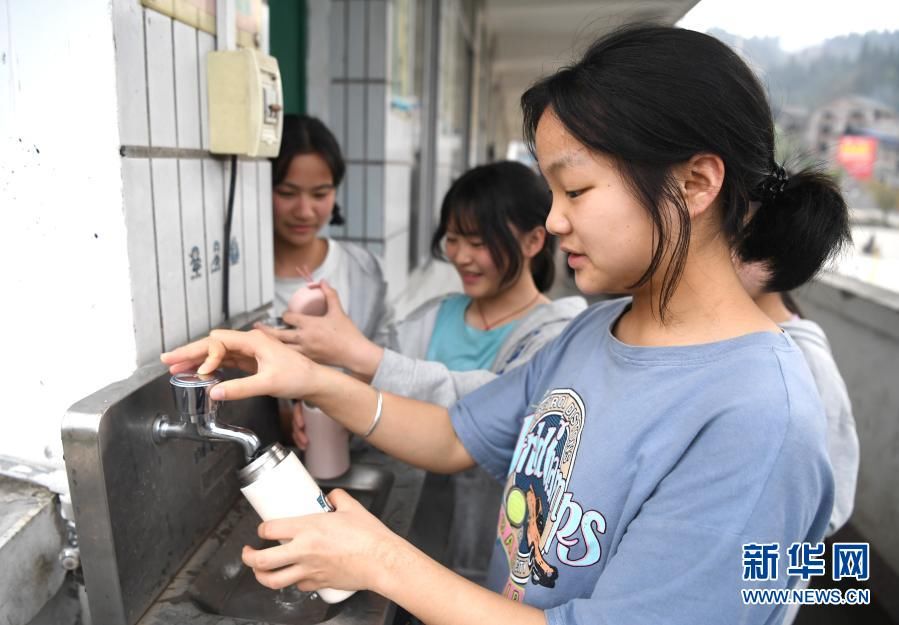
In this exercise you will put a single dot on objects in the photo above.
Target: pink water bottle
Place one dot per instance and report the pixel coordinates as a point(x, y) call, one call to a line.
point(328, 453)
point(308, 300)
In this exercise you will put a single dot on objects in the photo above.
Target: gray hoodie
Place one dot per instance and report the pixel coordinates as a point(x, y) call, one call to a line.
point(842, 440)
point(404, 371)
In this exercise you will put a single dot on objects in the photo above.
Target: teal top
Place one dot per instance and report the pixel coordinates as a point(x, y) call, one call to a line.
point(459, 346)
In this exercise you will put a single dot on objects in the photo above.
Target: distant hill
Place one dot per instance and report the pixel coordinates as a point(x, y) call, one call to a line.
point(866, 65)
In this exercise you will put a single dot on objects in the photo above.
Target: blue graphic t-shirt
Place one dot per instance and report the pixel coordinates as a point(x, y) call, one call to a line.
point(634, 475)
point(458, 345)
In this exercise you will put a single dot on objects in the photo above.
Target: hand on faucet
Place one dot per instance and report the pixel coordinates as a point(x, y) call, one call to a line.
point(276, 369)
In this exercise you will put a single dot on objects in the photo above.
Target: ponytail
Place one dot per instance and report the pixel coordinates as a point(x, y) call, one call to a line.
point(796, 229)
point(336, 218)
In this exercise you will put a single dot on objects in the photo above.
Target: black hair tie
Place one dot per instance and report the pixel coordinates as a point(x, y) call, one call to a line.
point(773, 185)
point(336, 218)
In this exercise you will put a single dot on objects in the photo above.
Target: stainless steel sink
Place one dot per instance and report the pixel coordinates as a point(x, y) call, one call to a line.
point(225, 587)
point(161, 524)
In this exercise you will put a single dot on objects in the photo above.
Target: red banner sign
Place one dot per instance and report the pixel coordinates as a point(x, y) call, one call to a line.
point(857, 155)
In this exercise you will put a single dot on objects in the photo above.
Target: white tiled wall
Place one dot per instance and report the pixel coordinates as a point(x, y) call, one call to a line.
point(376, 194)
point(161, 69)
point(397, 185)
point(214, 216)
point(138, 197)
point(193, 235)
point(266, 255)
point(396, 261)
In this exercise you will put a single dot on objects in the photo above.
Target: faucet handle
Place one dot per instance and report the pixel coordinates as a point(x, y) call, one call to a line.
point(191, 392)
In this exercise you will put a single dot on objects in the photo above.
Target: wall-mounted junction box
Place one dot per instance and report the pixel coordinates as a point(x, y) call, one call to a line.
point(246, 105)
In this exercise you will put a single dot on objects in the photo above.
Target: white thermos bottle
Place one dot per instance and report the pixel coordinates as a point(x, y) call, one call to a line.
point(277, 485)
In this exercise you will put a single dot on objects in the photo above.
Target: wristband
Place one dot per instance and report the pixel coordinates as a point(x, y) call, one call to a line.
point(377, 419)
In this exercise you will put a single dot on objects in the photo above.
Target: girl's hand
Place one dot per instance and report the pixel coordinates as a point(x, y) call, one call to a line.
point(298, 426)
point(332, 339)
point(348, 549)
point(276, 370)
point(290, 416)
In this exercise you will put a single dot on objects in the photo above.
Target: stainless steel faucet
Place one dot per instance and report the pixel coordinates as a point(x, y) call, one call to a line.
point(197, 411)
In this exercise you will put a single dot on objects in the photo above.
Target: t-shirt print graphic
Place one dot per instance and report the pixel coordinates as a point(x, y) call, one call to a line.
point(538, 509)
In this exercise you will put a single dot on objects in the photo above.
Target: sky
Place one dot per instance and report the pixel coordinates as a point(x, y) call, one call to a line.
point(798, 23)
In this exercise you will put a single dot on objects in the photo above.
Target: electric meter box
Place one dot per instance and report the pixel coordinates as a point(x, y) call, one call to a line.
point(245, 103)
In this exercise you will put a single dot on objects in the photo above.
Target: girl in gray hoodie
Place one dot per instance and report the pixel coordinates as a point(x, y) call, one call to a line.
point(842, 439)
point(491, 229)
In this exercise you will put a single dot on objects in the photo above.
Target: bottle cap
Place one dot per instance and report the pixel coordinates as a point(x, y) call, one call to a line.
point(268, 459)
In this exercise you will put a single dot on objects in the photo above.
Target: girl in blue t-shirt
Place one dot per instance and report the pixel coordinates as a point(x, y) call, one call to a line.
point(663, 444)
